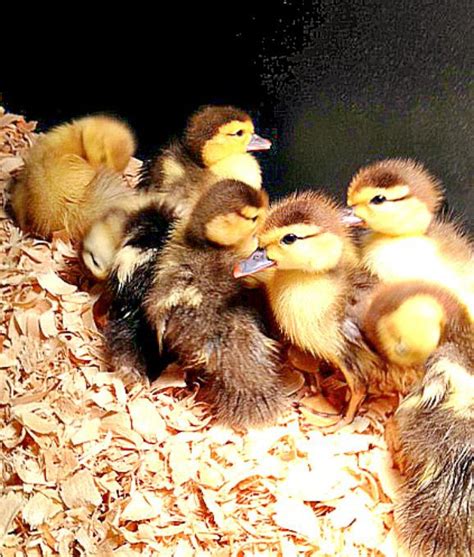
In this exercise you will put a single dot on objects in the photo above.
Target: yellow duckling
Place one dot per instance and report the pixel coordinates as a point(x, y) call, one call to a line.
point(310, 290)
point(71, 176)
point(397, 200)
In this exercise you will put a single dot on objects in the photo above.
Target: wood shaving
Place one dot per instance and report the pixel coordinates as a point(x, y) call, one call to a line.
point(96, 463)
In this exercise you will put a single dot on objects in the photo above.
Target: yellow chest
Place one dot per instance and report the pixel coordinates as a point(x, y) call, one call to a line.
point(243, 167)
point(417, 258)
point(306, 310)
point(395, 259)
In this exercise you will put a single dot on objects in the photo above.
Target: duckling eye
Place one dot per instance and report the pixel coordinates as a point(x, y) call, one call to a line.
point(289, 239)
point(378, 199)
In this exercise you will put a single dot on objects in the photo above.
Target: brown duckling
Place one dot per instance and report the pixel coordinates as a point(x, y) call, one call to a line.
point(203, 317)
point(71, 176)
point(431, 435)
point(432, 440)
point(209, 320)
point(397, 200)
point(216, 145)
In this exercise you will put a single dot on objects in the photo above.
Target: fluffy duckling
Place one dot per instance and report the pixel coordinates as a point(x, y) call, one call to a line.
point(431, 437)
point(216, 145)
point(397, 200)
point(203, 317)
point(71, 176)
point(114, 230)
point(311, 289)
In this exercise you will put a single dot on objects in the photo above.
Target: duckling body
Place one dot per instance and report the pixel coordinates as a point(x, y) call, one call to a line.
point(130, 337)
point(72, 175)
point(205, 317)
point(398, 200)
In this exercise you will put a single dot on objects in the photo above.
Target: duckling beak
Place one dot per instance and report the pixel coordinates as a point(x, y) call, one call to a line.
point(258, 143)
point(253, 264)
point(350, 218)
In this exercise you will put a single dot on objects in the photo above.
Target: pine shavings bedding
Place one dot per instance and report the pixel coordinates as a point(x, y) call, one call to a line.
point(96, 463)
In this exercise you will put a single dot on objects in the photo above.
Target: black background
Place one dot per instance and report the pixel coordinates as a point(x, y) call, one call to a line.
point(335, 84)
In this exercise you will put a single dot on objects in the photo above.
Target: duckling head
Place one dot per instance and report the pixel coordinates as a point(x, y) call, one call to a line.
point(304, 233)
point(405, 322)
point(214, 133)
point(228, 215)
point(395, 197)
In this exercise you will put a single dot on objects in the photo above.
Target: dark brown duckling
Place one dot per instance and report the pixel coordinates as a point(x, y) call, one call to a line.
point(207, 318)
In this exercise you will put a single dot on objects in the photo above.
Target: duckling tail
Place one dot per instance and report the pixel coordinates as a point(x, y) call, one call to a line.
point(242, 379)
point(434, 431)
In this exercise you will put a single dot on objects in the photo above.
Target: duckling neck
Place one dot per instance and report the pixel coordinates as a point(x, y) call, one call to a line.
point(308, 308)
point(241, 166)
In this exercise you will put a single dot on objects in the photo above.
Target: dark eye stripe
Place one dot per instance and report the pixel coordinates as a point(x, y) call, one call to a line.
point(294, 237)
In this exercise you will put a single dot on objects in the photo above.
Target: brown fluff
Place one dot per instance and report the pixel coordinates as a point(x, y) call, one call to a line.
point(313, 290)
point(71, 176)
point(209, 320)
point(432, 440)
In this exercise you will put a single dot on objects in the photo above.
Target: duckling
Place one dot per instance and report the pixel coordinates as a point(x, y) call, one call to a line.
point(216, 145)
point(114, 229)
point(397, 199)
point(71, 176)
point(431, 439)
point(311, 291)
point(209, 320)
